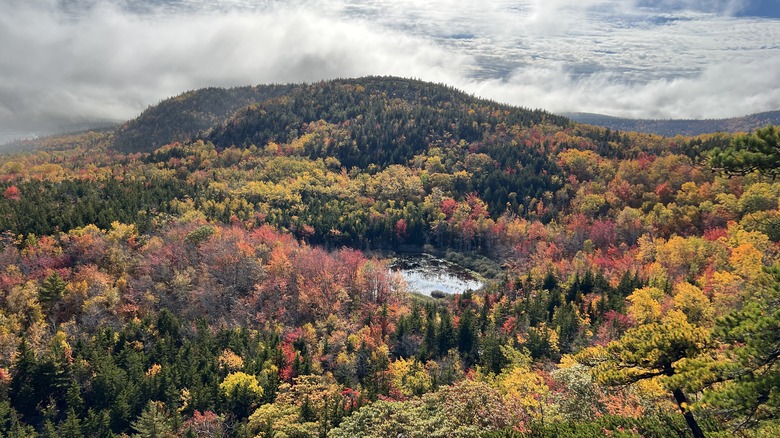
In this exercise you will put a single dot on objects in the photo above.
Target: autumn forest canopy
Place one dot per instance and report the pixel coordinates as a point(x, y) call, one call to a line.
point(218, 266)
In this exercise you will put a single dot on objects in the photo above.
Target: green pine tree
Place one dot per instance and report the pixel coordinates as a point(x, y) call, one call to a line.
point(750, 394)
point(153, 422)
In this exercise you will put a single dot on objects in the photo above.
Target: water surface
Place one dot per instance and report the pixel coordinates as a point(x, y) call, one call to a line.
point(425, 274)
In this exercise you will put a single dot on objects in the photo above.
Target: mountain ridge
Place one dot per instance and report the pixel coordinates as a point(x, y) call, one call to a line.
point(684, 127)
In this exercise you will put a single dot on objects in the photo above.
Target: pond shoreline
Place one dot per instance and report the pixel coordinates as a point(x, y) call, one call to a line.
point(431, 276)
point(484, 267)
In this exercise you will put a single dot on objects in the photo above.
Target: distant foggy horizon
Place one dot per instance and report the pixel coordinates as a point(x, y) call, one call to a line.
point(66, 62)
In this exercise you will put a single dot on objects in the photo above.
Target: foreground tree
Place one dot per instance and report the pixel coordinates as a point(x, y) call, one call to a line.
point(660, 350)
point(750, 394)
point(759, 151)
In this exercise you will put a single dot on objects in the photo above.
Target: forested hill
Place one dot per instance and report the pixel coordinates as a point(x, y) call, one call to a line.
point(182, 117)
point(688, 127)
point(373, 120)
point(375, 110)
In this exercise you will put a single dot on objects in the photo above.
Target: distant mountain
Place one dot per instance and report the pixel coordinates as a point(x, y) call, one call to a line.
point(184, 116)
point(672, 127)
point(256, 115)
point(25, 141)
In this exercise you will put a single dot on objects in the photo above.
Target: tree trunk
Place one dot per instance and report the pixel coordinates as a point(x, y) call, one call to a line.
point(682, 402)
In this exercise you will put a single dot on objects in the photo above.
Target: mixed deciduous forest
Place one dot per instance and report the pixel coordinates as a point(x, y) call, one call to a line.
point(216, 267)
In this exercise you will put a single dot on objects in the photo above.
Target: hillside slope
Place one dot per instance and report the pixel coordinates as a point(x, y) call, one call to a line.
point(182, 117)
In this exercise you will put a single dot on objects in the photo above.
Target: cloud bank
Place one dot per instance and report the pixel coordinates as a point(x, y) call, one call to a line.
point(68, 61)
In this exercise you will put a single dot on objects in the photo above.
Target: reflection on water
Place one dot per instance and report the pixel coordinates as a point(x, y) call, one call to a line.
point(425, 274)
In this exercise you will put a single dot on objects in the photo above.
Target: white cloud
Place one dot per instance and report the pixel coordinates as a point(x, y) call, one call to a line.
point(79, 59)
point(723, 90)
point(109, 63)
point(727, 7)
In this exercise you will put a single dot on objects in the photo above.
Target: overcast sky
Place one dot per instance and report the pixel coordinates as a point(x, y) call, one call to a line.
point(66, 60)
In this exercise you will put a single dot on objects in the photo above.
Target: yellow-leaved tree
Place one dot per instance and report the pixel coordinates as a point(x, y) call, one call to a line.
point(240, 392)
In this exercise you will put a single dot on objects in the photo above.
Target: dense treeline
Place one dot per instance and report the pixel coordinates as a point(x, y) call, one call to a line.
point(207, 289)
point(48, 207)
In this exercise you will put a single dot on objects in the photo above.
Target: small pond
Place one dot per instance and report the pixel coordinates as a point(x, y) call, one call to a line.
point(425, 274)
